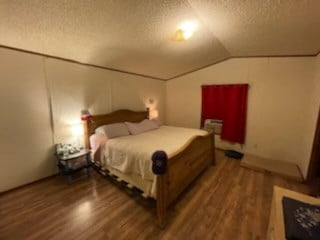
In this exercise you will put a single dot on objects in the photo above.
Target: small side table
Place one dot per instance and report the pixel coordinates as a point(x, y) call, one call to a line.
point(74, 163)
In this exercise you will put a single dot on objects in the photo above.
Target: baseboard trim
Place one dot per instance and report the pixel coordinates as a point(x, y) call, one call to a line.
point(274, 167)
point(27, 184)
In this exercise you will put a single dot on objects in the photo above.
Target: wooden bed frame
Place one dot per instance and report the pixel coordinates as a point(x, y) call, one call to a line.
point(180, 170)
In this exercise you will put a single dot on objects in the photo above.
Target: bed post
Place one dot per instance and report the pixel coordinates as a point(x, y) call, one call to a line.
point(148, 112)
point(162, 198)
point(159, 168)
point(86, 133)
point(213, 147)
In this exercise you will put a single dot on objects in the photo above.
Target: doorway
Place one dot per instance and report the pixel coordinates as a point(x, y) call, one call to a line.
point(313, 176)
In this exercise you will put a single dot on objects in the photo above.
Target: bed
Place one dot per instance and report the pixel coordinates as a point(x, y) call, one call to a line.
point(188, 154)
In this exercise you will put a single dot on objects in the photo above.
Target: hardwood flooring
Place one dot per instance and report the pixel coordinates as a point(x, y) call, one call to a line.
point(226, 202)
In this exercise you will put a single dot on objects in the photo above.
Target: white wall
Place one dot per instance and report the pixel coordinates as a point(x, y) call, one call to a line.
point(27, 82)
point(75, 87)
point(133, 92)
point(277, 103)
point(25, 131)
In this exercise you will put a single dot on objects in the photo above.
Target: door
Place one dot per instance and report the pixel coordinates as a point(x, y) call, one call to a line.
point(313, 176)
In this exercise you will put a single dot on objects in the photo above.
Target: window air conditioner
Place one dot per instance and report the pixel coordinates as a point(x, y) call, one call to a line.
point(213, 125)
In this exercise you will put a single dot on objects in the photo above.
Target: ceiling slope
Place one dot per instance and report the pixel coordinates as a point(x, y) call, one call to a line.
point(263, 28)
point(136, 35)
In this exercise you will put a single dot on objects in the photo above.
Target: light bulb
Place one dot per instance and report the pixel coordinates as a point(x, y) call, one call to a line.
point(185, 30)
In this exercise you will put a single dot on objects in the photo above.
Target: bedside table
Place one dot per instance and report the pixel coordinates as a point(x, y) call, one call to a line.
point(74, 163)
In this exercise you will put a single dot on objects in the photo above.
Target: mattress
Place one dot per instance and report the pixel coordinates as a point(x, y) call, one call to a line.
point(131, 155)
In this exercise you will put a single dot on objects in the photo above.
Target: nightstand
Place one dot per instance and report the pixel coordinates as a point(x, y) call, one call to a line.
point(74, 163)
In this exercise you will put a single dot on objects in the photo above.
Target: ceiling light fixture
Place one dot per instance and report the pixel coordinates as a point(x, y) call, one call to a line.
point(185, 31)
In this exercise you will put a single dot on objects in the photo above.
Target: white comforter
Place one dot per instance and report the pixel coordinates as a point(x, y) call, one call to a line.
point(132, 154)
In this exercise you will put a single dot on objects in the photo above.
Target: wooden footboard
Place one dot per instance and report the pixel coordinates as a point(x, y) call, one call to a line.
point(181, 170)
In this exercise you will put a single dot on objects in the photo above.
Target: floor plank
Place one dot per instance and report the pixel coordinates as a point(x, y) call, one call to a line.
point(225, 202)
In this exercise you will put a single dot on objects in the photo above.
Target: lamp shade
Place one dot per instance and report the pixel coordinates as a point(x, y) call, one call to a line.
point(153, 114)
point(77, 129)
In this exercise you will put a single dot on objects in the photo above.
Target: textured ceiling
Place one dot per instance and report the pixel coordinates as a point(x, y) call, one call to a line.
point(136, 35)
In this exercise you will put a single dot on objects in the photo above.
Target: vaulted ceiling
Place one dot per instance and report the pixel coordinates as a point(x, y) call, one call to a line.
point(136, 35)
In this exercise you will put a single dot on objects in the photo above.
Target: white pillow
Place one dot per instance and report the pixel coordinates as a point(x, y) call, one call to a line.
point(113, 130)
point(141, 127)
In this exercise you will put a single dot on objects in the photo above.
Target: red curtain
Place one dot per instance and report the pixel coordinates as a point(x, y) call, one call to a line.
point(228, 103)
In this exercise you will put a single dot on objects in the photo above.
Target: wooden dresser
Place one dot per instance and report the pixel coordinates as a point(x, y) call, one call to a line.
point(276, 229)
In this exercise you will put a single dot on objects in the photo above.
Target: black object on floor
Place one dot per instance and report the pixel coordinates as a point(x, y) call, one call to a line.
point(301, 220)
point(233, 154)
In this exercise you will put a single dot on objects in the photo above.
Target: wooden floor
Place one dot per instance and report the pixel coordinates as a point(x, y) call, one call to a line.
point(226, 202)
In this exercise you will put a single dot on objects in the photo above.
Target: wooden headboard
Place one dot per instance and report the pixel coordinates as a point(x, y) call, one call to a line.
point(113, 117)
